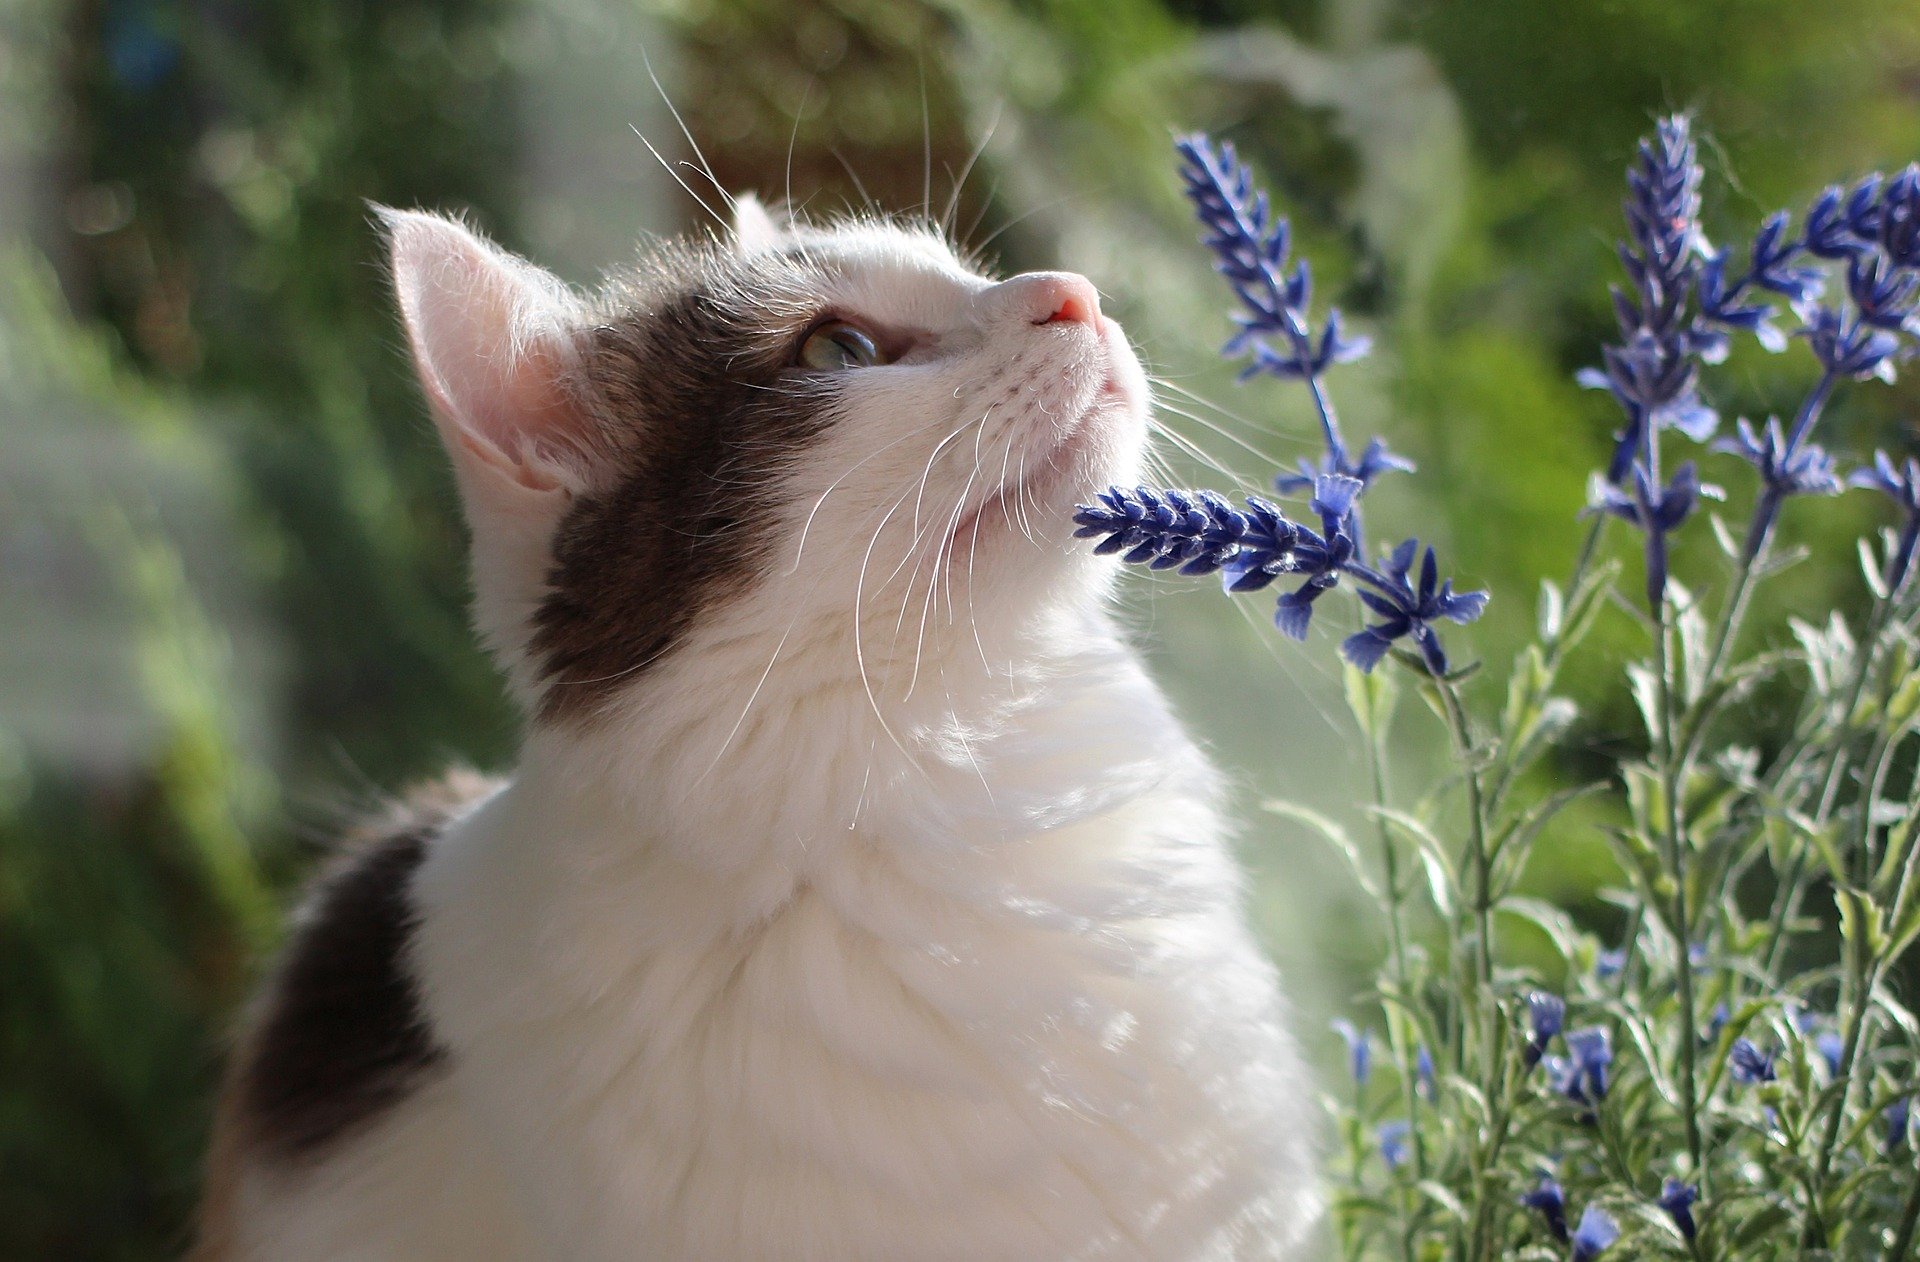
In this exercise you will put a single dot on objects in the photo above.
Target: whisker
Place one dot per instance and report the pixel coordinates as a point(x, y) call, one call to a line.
point(1205, 458)
point(669, 168)
point(808, 525)
point(793, 138)
point(959, 184)
point(866, 198)
point(706, 167)
point(1268, 457)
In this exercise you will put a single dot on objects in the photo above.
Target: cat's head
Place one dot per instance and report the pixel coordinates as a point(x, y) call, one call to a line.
point(844, 437)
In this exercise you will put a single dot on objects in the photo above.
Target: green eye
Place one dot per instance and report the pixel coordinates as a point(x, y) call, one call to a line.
point(837, 345)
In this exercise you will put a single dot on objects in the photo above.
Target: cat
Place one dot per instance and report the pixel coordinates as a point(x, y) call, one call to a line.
point(856, 895)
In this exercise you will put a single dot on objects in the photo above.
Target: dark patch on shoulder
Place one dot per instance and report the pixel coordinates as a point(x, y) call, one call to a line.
point(693, 375)
point(342, 1036)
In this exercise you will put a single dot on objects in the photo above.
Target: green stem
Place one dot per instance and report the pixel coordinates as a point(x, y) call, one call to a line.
point(1491, 1041)
point(1397, 956)
point(1672, 785)
point(1909, 1219)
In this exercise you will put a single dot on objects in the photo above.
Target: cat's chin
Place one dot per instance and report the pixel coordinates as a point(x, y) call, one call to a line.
point(1077, 465)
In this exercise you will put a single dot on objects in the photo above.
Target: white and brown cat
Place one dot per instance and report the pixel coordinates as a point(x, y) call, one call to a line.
point(856, 895)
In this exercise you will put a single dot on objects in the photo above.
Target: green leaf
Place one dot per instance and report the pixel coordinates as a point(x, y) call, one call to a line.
point(1871, 569)
point(1646, 798)
point(1722, 535)
point(1905, 701)
point(1443, 882)
point(1646, 695)
point(1768, 1223)
point(1441, 1196)
point(1336, 836)
point(1730, 685)
point(1550, 920)
point(1585, 602)
point(1860, 915)
point(1692, 626)
point(1521, 830)
point(1372, 696)
point(1524, 688)
point(1553, 610)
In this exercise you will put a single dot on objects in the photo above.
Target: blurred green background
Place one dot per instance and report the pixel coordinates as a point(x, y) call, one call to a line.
point(230, 566)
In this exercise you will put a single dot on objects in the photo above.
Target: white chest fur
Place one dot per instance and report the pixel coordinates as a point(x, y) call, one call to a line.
point(1012, 1012)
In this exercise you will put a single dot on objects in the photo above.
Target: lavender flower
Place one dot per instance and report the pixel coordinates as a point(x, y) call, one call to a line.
point(1320, 557)
point(1394, 1142)
point(1658, 511)
point(1847, 346)
point(1677, 1198)
point(1595, 1234)
point(1608, 964)
point(1251, 245)
point(1901, 484)
point(1551, 1200)
point(1749, 1064)
point(1653, 372)
point(1199, 533)
point(1423, 1077)
point(1359, 1050)
point(1832, 1050)
point(1582, 1077)
point(1900, 218)
point(1807, 470)
point(1716, 1022)
point(1771, 267)
point(1545, 1015)
point(1409, 613)
point(1844, 222)
point(1898, 1118)
point(1373, 462)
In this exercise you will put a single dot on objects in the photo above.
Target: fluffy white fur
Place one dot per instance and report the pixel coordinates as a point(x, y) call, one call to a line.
point(891, 915)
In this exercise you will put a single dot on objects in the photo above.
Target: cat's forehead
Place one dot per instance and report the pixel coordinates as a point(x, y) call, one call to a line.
point(892, 272)
point(892, 275)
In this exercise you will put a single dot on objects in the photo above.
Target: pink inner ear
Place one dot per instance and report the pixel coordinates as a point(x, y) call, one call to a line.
point(491, 340)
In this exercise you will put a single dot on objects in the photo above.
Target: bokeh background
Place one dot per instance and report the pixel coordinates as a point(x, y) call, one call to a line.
point(231, 590)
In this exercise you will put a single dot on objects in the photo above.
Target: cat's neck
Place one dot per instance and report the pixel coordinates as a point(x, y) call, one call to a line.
point(743, 754)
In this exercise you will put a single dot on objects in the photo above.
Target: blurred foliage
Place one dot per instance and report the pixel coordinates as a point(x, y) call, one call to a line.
point(195, 172)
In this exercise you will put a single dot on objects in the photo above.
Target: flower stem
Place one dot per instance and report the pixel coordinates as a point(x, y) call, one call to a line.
point(1909, 1219)
point(1491, 1040)
point(1672, 784)
point(1397, 956)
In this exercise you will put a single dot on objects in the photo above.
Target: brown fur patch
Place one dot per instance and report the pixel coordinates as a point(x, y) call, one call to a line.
point(336, 1036)
point(693, 376)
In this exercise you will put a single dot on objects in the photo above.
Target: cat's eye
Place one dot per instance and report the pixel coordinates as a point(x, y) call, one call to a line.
point(837, 345)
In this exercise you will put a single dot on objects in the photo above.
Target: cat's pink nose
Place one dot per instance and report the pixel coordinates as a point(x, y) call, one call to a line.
point(1047, 297)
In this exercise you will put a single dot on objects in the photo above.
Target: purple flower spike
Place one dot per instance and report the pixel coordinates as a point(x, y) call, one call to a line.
point(1748, 1064)
point(1545, 1015)
point(1395, 1143)
point(1359, 1050)
point(1595, 1234)
point(1407, 611)
point(1251, 247)
point(1677, 1198)
point(1898, 1117)
point(1550, 1199)
point(1901, 484)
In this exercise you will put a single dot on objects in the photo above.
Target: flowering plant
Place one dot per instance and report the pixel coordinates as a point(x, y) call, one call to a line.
point(1680, 1090)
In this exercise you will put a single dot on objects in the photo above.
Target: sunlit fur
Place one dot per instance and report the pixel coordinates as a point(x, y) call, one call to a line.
point(890, 916)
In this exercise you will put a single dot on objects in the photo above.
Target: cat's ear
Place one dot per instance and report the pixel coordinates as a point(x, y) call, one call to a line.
point(494, 343)
point(754, 226)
